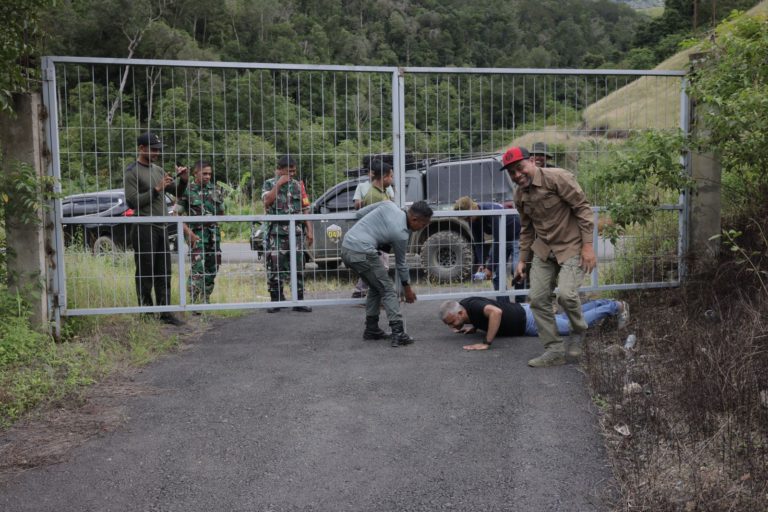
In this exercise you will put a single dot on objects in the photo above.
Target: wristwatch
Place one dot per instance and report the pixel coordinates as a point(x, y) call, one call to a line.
point(486, 342)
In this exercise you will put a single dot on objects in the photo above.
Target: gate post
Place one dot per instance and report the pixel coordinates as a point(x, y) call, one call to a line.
point(706, 199)
point(22, 139)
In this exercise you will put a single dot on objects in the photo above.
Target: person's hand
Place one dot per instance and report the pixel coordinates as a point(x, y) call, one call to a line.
point(519, 274)
point(182, 171)
point(465, 330)
point(410, 295)
point(588, 258)
point(488, 273)
point(310, 237)
point(193, 239)
point(282, 180)
point(477, 346)
point(163, 184)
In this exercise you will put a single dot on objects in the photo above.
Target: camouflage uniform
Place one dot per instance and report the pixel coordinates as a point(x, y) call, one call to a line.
point(206, 256)
point(276, 242)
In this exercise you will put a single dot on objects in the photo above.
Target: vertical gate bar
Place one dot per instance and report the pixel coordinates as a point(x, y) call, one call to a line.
point(58, 299)
point(398, 137)
point(181, 254)
point(292, 244)
point(684, 217)
point(595, 235)
point(502, 259)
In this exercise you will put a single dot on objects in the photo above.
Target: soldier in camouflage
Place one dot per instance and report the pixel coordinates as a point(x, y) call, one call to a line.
point(282, 195)
point(203, 198)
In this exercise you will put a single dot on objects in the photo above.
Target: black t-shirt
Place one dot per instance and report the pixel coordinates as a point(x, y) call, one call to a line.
point(512, 315)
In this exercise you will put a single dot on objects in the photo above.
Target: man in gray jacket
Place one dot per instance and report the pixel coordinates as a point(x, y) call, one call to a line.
point(384, 224)
point(145, 186)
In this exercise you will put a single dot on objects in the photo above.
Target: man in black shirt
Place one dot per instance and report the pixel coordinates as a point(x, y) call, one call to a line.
point(513, 319)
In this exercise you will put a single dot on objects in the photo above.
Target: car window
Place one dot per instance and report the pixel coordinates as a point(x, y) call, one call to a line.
point(344, 200)
point(480, 180)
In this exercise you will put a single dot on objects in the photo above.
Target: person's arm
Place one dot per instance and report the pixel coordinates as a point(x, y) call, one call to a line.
point(403, 273)
point(493, 314)
point(571, 192)
point(527, 234)
point(269, 196)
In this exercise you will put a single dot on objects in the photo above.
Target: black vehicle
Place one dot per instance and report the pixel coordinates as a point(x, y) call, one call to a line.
point(444, 248)
point(102, 236)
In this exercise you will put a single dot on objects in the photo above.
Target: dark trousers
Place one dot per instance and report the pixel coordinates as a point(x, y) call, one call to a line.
point(153, 264)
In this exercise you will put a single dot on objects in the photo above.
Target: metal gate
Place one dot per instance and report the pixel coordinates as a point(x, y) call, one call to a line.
point(435, 124)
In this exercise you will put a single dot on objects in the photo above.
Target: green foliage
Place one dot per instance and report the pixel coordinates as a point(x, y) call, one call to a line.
point(641, 175)
point(19, 42)
point(731, 86)
point(748, 259)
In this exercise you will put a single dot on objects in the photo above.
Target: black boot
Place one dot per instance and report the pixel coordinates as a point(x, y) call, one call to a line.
point(275, 296)
point(302, 309)
point(399, 336)
point(372, 330)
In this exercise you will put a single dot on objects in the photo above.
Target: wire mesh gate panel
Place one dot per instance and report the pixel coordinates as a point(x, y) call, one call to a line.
point(442, 130)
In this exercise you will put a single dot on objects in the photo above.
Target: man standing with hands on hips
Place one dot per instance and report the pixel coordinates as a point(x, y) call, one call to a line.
point(556, 238)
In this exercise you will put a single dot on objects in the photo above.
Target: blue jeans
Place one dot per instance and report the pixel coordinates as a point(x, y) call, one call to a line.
point(594, 311)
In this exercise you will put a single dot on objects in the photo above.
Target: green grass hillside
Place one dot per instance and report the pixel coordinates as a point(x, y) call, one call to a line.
point(648, 95)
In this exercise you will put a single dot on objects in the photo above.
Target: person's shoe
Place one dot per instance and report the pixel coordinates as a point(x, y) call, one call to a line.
point(197, 313)
point(358, 295)
point(548, 358)
point(399, 336)
point(372, 330)
point(171, 319)
point(302, 309)
point(273, 310)
point(623, 315)
point(573, 346)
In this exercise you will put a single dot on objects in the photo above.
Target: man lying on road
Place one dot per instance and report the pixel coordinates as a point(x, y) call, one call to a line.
point(512, 319)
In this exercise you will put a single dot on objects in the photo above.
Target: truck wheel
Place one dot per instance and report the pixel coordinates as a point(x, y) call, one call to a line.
point(103, 245)
point(447, 257)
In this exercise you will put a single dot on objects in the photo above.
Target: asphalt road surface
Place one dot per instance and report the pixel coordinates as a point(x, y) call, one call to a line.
point(295, 412)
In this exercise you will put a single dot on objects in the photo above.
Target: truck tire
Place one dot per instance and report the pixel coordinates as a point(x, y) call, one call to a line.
point(103, 245)
point(447, 257)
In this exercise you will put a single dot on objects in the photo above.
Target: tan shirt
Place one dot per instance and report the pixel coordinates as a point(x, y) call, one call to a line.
point(554, 216)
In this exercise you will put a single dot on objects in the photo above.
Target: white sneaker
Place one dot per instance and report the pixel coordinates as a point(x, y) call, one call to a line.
point(624, 315)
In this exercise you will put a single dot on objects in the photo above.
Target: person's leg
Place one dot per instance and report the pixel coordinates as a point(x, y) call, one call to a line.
point(299, 275)
point(162, 266)
point(272, 264)
point(570, 279)
point(596, 310)
point(543, 280)
point(141, 240)
point(211, 268)
point(362, 265)
point(196, 281)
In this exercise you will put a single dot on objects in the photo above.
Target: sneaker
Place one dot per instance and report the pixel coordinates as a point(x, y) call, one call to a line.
point(358, 295)
point(168, 318)
point(548, 358)
point(573, 346)
point(624, 315)
point(302, 309)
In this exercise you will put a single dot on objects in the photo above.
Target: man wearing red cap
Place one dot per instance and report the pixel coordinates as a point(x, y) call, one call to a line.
point(556, 238)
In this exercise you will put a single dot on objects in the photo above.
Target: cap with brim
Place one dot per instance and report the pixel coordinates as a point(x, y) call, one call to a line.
point(540, 148)
point(149, 139)
point(514, 154)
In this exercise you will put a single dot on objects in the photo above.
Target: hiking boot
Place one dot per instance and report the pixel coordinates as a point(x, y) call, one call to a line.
point(358, 295)
point(275, 297)
point(573, 346)
point(171, 319)
point(273, 310)
point(399, 336)
point(302, 309)
point(372, 330)
point(623, 315)
point(548, 358)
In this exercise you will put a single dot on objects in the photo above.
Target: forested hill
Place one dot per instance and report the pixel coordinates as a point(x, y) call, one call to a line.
point(493, 33)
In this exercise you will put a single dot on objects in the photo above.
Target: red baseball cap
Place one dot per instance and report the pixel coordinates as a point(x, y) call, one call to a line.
point(514, 154)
